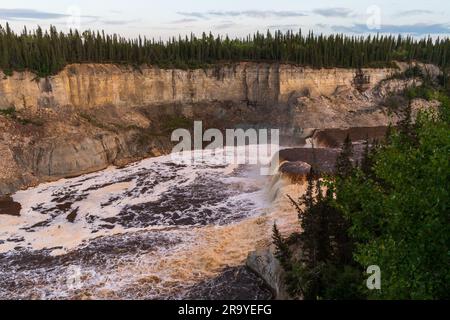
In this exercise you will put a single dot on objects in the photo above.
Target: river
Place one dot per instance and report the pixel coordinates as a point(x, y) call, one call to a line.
point(155, 229)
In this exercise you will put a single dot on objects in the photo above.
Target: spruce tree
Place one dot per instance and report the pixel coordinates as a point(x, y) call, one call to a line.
point(46, 52)
point(282, 251)
point(366, 161)
point(344, 166)
point(406, 125)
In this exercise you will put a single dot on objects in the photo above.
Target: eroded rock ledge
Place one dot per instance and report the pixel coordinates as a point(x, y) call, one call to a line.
point(268, 268)
point(96, 85)
point(90, 116)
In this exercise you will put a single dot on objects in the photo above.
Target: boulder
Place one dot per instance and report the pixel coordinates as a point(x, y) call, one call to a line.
point(267, 267)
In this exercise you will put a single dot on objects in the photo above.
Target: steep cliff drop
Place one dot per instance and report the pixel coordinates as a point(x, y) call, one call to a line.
point(156, 228)
point(90, 116)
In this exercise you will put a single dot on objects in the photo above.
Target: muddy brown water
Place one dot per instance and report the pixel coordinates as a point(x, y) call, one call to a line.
point(155, 229)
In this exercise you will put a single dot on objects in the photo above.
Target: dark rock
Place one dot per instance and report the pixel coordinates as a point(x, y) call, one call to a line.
point(297, 167)
point(268, 268)
point(72, 216)
point(9, 207)
point(238, 283)
point(334, 138)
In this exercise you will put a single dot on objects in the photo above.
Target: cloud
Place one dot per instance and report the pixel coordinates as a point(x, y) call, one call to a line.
point(225, 25)
point(334, 12)
point(187, 20)
point(29, 14)
point(193, 14)
point(25, 14)
point(417, 29)
point(246, 13)
point(285, 27)
point(116, 22)
point(416, 12)
point(321, 25)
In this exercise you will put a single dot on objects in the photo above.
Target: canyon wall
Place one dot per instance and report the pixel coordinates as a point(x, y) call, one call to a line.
point(90, 116)
point(325, 81)
point(95, 85)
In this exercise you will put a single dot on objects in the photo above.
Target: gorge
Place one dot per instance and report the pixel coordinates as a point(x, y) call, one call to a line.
point(90, 116)
point(90, 189)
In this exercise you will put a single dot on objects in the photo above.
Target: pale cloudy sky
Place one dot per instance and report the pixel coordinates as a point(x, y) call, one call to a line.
point(167, 18)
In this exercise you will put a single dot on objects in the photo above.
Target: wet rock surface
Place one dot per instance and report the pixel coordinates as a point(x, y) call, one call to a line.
point(131, 115)
point(295, 167)
point(9, 207)
point(323, 159)
point(238, 283)
point(333, 138)
point(268, 268)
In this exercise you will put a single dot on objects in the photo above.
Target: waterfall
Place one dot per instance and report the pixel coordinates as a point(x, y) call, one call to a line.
point(170, 225)
point(275, 186)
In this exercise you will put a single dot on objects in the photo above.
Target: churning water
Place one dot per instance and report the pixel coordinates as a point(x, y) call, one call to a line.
point(152, 230)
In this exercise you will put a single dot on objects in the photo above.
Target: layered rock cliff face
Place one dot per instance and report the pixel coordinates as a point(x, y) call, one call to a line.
point(88, 86)
point(96, 85)
point(90, 116)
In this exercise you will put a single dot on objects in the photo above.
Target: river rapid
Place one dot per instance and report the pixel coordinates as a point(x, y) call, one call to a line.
point(156, 229)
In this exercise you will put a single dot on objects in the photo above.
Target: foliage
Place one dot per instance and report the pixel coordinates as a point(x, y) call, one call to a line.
point(343, 282)
point(420, 92)
point(400, 219)
point(393, 102)
point(282, 253)
point(170, 123)
point(47, 52)
point(325, 263)
point(392, 212)
point(344, 165)
point(12, 114)
point(9, 112)
point(411, 72)
point(414, 72)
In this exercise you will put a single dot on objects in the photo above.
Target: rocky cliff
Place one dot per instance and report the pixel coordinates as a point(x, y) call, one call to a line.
point(96, 85)
point(90, 116)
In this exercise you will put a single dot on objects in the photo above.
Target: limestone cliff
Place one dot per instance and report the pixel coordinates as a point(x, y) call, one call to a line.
point(90, 116)
point(96, 85)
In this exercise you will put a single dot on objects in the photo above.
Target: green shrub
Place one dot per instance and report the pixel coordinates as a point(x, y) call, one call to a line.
point(394, 215)
point(9, 112)
point(400, 216)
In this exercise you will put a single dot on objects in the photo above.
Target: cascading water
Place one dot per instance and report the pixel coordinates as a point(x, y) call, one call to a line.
point(150, 230)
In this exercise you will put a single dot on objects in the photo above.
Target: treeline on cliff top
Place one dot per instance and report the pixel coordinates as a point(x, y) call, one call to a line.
point(46, 52)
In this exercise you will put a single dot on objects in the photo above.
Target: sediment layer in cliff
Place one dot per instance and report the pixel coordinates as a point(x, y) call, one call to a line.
point(90, 116)
point(95, 85)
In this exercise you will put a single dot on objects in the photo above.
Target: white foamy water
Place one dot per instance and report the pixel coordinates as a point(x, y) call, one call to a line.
point(149, 230)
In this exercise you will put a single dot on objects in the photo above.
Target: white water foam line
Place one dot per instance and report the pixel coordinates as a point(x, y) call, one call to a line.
point(187, 221)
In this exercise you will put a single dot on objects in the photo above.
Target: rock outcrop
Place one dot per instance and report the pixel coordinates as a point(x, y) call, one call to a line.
point(267, 267)
point(295, 171)
point(96, 85)
point(90, 116)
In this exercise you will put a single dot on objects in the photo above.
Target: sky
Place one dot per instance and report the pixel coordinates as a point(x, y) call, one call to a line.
point(167, 18)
